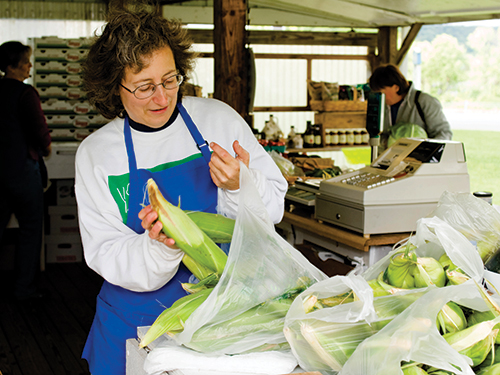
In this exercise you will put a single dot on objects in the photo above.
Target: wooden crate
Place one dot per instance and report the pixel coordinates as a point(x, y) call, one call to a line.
point(341, 120)
point(338, 105)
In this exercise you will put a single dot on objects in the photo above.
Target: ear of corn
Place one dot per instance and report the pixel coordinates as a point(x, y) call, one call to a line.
point(456, 277)
point(172, 320)
point(219, 228)
point(476, 341)
point(429, 272)
point(187, 235)
point(208, 282)
point(413, 369)
point(196, 268)
point(399, 272)
point(267, 317)
point(447, 263)
point(489, 370)
point(451, 318)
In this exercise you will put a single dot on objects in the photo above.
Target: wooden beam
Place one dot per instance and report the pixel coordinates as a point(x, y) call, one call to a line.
point(410, 38)
point(387, 45)
point(295, 38)
point(230, 54)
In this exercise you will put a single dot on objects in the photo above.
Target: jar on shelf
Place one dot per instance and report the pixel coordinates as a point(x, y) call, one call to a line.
point(357, 137)
point(328, 137)
point(349, 136)
point(365, 137)
point(334, 138)
point(342, 137)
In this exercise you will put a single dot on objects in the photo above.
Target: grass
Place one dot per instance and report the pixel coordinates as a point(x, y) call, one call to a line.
point(482, 150)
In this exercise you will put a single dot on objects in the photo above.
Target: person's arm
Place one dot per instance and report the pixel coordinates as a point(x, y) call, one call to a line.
point(34, 121)
point(438, 126)
point(117, 253)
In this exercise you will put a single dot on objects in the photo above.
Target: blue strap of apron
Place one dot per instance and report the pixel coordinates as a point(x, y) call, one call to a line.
point(195, 133)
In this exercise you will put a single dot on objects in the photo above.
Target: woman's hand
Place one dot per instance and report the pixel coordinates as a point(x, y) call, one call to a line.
point(224, 169)
point(150, 223)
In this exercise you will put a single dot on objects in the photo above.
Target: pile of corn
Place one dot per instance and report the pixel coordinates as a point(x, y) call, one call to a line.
point(325, 344)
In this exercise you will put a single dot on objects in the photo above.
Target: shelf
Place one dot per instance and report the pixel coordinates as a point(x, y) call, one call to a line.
point(330, 148)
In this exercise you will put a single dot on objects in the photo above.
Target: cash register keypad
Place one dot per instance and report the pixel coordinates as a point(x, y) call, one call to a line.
point(367, 180)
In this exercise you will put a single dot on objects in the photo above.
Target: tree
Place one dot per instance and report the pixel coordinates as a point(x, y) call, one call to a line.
point(484, 77)
point(444, 67)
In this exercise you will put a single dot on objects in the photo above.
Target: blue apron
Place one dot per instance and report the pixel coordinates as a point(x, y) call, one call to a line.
point(120, 311)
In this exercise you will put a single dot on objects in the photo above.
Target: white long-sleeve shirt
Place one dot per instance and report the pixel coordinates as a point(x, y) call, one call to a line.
point(134, 261)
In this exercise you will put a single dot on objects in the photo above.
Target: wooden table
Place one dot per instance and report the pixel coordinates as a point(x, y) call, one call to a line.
point(367, 249)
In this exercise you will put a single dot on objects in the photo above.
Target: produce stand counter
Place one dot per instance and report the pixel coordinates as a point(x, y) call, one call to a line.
point(365, 250)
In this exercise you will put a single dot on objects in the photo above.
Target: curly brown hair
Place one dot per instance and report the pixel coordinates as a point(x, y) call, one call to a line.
point(128, 38)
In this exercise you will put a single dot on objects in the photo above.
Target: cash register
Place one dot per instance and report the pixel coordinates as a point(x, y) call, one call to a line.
point(401, 186)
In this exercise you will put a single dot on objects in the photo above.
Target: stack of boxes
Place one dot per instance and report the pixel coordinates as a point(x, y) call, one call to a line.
point(70, 118)
point(63, 243)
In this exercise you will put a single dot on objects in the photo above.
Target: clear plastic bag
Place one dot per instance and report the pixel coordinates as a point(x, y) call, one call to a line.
point(286, 167)
point(474, 218)
point(246, 310)
point(324, 339)
point(413, 336)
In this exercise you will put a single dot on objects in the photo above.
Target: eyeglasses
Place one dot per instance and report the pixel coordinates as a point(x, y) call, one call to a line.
point(147, 90)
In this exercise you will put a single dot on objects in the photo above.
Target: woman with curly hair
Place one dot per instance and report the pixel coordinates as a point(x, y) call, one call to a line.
point(192, 147)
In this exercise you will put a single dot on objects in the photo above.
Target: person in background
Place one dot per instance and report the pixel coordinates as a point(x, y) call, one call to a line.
point(192, 147)
point(407, 105)
point(24, 140)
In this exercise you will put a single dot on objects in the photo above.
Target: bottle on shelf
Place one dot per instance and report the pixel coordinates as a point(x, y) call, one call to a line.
point(291, 137)
point(318, 137)
point(309, 136)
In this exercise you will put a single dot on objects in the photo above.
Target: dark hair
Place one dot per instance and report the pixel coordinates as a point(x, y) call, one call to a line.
point(388, 76)
point(11, 54)
point(129, 36)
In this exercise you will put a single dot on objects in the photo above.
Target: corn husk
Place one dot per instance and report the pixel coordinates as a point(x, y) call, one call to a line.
point(489, 370)
point(401, 268)
point(172, 319)
point(187, 235)
point(456, 277)
point(476, 341)
point(218, 227)
point(428, 272)
point(413, 370)
point(451, 318)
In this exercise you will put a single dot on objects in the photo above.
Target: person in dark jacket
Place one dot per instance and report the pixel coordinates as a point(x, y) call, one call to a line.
point(24, 141)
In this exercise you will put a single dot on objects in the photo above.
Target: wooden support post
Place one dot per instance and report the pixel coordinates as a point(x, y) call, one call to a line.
point(388, 52)
point(387, 45)
point(230, 54)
